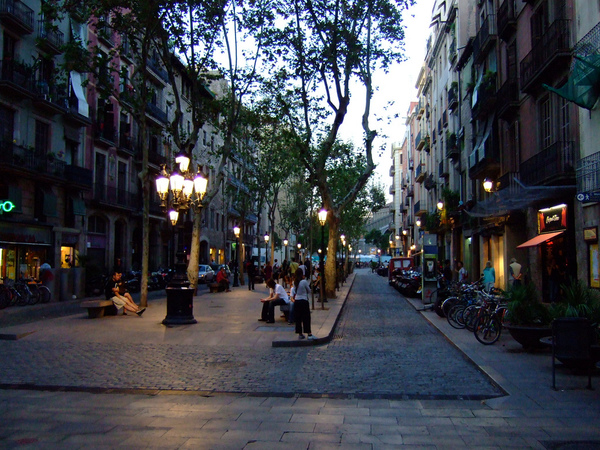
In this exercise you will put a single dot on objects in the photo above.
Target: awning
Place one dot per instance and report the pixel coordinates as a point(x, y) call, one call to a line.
point(583, 85)
point(83, 107)
point(539, 239)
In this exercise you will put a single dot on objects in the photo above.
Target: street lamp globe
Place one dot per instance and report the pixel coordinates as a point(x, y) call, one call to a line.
point(440, 205)
point(173, 216)
point(322, 216)
point(285, 242)
point(236, 231)
point(266, 237)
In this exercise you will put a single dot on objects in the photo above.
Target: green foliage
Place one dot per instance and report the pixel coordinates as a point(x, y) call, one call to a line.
point(431, 221)
point(451, 199)
point(378, 239)
point(524, 307)
point(577, 300)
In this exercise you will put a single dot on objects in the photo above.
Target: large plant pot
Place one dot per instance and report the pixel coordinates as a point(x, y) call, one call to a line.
point(529, 337)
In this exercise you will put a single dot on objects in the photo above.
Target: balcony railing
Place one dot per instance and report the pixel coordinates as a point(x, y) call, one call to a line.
point(552, 51)
point(51, 39)
point(452, 150)
point(553, 165)
point(453, 97)
point(17, 16)
point(115, 197)
point(157, 113)
point(79, 176)
point(419, 141)
point(105, 133)
point(588, 173)
point(507, 19)
point(155, 67)
point(29, 159)
point(16, 78)
point(392, 170)
point(508, 98)
point(486, 97)
point(485, 37)
point(420, 173)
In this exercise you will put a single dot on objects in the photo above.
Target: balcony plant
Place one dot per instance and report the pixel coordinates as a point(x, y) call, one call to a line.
point(528, 320)
point(577, 300)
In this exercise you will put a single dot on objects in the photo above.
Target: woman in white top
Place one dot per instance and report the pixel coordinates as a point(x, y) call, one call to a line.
point(300, 293)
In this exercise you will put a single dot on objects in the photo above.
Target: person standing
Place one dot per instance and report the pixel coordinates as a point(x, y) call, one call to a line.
point(251, 271)
point(514, 270)
point(300, 292)
point(447, 271)
point(268, 271)
point(463, 275)
point(489, 276)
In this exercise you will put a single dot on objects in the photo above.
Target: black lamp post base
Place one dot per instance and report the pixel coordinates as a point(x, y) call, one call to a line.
point(180, 306)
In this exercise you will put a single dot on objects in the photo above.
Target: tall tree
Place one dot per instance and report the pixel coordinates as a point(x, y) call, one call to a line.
point(320, 50)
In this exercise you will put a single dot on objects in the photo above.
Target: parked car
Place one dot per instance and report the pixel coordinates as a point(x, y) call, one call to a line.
point(205, 274)
point(217, 267)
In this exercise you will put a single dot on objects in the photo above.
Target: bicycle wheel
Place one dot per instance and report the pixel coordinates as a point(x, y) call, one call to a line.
point(448, 304)
point(470, 316)
point(34, 295)
point(487, 329)
point(22, 294)
point(45, 294)
point(454, 316)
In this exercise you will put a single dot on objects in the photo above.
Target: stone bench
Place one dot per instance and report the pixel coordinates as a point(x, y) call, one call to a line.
point(215, 287)
point(99, 308)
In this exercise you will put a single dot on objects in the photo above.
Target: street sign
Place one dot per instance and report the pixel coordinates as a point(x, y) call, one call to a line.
point(588, 196)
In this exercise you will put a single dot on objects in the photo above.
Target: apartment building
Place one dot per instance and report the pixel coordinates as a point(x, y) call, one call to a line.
point(511, 125)
point(70, 155)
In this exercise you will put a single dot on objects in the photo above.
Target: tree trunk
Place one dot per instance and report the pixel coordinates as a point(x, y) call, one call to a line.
point(330, 264)
point(192, 269)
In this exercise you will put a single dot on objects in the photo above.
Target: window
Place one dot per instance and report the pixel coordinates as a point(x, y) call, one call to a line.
point(7, 124)
point(42, 138)
point(97, 225)
point(555, 121)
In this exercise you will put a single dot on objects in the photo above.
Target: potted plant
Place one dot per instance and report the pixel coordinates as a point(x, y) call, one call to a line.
point(528, 320)
point(577, 300)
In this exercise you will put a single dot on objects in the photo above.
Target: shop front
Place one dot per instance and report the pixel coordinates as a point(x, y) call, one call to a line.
point(555, 250)
point(23, 249)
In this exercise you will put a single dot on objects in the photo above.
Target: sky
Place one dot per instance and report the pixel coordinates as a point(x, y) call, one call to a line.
point(397, 86)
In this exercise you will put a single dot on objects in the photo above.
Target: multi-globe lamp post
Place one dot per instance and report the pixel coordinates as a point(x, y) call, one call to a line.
point(184, 190)
point(322, 215)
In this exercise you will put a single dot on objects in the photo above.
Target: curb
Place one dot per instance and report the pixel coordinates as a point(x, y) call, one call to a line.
point(326, 339)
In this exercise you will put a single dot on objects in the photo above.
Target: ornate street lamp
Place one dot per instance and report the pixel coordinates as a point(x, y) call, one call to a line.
point(236, 276)
point(488, 185)
point(322, 215)
point(184, 190)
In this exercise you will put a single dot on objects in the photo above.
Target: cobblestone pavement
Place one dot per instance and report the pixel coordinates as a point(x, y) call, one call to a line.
point(401, 384)
point(382, 348)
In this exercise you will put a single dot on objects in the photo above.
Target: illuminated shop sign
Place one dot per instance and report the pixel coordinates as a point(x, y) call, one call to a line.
point(552, 219)
point(6, 206)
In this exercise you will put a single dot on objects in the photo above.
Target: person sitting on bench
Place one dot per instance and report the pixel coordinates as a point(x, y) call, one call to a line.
point(223, 279)
point(117, 292)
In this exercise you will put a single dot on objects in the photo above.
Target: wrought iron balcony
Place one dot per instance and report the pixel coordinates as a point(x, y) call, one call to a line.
point(50, 38)
point(16, 16)
point(16, 79)
point(508, 98)
point(551, 53)
point(554, 165)
point(588, 173)
point(484, 39)
point(156, 113)
point(79, 176)
point(507, 19)
point(420, 173)
point(453, 97)
point(113, 196)
point(452, 150)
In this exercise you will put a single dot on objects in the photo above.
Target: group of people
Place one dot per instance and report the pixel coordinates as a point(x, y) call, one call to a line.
point(488, 276)
point(299, 312)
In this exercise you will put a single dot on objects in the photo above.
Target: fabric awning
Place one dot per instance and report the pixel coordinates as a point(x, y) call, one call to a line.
point(583, 85)
point(539, 239)
point(83, 107)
